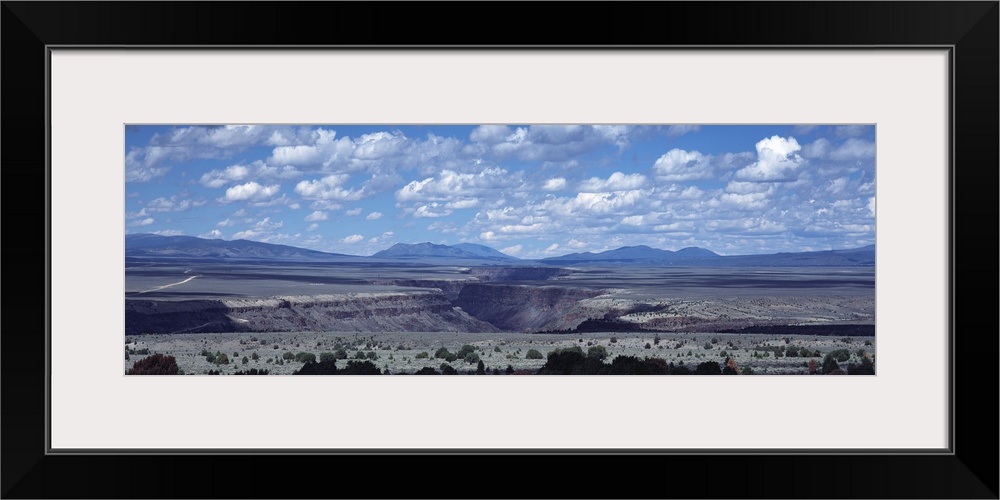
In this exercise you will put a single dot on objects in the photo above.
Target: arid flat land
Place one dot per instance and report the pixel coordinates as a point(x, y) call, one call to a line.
point(393, 313)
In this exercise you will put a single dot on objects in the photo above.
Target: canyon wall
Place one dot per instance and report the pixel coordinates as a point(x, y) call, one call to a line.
point(355, 312)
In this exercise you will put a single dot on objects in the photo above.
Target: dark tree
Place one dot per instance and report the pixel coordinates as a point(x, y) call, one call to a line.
point(360, 368)
point(252, 371)
point(830, 364)
point(866, 367)
point(561, 362)
point(708, 368)
point(322, 368)
point(156, 364)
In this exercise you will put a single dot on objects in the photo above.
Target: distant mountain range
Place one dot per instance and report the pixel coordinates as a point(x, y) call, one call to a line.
point(640, 253)
point(151, 245)
point(431, 250)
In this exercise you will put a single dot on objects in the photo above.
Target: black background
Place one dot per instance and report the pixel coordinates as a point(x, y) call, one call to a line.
point(972, 27)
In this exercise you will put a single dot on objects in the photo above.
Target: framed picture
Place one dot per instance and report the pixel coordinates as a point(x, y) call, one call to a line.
point(927, 91)
point(501, 249)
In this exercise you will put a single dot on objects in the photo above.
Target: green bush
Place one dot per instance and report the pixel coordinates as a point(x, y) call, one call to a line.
point(327, 356)
point(829, 363)
point(656, 339)
point(791, 352)
point(340, 353)
point(465, 350)
point(209, 357)
point(221, 359)
point(510, 369)
point(597, 352)
point(805, 353)
point(614, 340)
point(866, 367)
point(305, 357)
point(442, 353)
point(422, 355)
point(648, 346)
point(576, 349)
point(480, 368)
point(472, 358)
point(496, 349)
point(533, 354)
point(288, 355)
point(255, 356)
point(841, 355)
point(359, 355)
point(708, 345)
point(446, 369)
point(245, 360)
point(371, 355)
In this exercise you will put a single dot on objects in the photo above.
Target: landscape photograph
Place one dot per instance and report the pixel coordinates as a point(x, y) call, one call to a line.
point(499, 249)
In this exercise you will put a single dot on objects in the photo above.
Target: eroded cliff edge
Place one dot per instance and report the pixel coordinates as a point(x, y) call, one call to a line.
point(359, 312)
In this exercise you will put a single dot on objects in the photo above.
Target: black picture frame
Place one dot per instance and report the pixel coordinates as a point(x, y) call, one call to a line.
point(969, 28)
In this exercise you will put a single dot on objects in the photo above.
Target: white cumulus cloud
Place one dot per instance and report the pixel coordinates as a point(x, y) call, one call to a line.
point(318, 215)
point(681, 165)
point(328, 188)
point(616, 182)
point(554, 184)
point(513, 250)
point(354, 238)
point(633, 220)
point(777, 160)
point(251, 191)
point(219, 178)
point(374, 216)
point(431, 210)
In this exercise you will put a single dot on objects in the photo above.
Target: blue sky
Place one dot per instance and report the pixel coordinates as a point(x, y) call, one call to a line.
point(530, 191)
